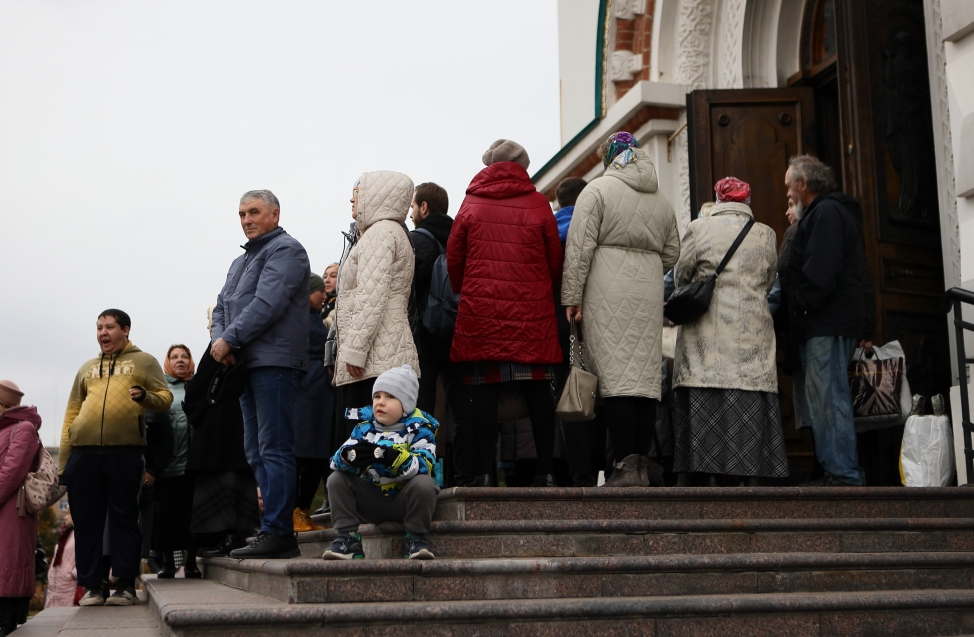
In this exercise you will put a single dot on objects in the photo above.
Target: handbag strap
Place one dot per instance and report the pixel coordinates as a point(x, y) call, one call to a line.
point(734, 246)
point(575, 337)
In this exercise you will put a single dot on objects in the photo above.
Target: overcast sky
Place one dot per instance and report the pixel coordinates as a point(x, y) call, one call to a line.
point(128, 131)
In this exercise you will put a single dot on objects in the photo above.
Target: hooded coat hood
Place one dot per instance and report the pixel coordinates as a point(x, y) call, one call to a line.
point(639, 174)
point(502, 180)
point(16, 415)
point(383, 194)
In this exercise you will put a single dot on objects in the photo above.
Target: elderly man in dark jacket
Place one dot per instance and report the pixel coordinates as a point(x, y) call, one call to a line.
point(261, 322)
point(824, 283)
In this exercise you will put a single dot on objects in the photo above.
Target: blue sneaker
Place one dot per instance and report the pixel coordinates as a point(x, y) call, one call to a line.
point(347, 546)
point(417, 548)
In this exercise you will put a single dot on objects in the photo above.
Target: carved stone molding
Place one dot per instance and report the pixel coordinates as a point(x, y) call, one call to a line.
point(693, 63)
point(628, 9)
point(950, 232)
point(733, 21)
point(625, 65)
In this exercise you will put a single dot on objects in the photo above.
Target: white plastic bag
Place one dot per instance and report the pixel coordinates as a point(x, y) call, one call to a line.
point(927, 454)
point(893, 349)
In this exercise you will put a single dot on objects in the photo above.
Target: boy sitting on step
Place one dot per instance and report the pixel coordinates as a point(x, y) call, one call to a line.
point(383, 472)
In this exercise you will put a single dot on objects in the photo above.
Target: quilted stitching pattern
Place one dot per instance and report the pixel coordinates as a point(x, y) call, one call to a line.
point(623, 238)
point(372, 321)
point(732, 346)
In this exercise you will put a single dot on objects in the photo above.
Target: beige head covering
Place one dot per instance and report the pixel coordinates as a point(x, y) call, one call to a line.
point(506, 150)
point(10, 394)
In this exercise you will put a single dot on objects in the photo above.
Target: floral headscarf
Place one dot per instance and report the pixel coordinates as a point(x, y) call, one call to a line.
point(733, 189)
point(617, 149)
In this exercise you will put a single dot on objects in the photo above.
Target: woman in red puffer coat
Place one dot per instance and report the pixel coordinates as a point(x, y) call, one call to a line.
point(504, 260)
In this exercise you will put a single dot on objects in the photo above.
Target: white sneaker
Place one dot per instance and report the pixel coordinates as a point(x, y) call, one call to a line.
point(92, 597)
point(124, 596)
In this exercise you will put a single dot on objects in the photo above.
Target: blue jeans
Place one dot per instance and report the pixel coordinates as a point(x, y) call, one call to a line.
point(825, 360)
point(268, 413)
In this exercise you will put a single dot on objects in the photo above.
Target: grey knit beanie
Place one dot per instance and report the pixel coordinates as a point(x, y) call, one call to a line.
point(402, 383)
point(506, 150)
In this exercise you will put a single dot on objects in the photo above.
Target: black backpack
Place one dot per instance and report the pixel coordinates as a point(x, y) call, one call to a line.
point(440, 316)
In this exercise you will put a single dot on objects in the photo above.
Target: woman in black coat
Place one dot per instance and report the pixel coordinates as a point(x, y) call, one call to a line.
point(225, 506)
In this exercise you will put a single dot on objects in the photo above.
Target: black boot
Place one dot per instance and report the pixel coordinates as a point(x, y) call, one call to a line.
point(229, 542)
point(190, 569)
point(168, 570)
point(482, 481)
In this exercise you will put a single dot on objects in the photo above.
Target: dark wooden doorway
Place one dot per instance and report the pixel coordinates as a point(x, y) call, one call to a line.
point(862, 102)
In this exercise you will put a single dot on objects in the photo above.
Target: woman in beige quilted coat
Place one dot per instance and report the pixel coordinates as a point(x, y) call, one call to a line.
point(372, 325)
point(622, 239)
point(727, 418)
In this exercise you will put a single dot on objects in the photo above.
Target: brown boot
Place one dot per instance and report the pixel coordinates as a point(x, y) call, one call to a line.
point(626, 474)
point(303, 522)
point(650, 472)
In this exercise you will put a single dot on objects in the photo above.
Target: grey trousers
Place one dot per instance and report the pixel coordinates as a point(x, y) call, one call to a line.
point(354, 501)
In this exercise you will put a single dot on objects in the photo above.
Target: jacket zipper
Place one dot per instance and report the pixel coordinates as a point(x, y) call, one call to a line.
point(104, 402)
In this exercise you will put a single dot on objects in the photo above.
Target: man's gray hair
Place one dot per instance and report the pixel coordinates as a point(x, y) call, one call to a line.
point(817, 176)
point(264, 195)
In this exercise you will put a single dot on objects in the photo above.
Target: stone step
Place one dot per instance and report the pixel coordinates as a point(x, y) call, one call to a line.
point(304, 581)
point(700, 503)
point(203, 608)
point(594, 538)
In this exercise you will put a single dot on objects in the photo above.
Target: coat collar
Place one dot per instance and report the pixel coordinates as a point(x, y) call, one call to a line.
point(261, 241)
point(732, 208)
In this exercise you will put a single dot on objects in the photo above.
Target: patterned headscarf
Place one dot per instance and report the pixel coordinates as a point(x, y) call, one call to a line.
point(617, 149)
point(733, 189)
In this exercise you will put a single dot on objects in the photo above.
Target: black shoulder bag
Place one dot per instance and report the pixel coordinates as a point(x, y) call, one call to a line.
point(690, 302)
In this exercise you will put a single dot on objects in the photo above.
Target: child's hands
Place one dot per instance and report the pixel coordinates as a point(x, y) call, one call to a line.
point(361, 454)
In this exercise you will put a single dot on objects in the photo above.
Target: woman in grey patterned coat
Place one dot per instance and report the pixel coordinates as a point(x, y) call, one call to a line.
point(728, 421)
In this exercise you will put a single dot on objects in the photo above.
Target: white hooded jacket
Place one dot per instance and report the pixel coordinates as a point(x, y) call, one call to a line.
point(372, 321)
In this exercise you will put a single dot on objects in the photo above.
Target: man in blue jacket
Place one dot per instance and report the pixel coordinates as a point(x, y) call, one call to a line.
point(824, 281)
point(261, 323)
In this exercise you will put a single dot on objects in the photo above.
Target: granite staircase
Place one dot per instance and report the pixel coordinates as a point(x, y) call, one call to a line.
point(702, 561)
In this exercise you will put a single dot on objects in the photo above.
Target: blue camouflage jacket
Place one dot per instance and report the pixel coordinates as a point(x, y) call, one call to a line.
point(416, 442)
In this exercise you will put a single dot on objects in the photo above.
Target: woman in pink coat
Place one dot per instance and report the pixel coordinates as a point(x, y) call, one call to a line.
point(62, 577)
point(19, 444)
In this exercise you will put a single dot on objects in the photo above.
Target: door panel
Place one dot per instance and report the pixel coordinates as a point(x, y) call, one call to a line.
point(749, 134)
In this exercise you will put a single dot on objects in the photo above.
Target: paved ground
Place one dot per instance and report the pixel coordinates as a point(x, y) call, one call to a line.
point(92, 621)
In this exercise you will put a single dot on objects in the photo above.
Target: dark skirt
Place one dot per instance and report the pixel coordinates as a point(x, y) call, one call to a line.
point(492, 372)
point(728, 432)
point(225, 502)
point(174, 514)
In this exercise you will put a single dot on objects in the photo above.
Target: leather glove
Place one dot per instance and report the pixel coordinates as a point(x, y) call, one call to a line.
point(361, 454)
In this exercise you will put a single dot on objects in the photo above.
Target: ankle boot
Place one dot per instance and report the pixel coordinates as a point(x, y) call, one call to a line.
point(190, 569)
point(168, 570)
point(626, 474)
point(482, 481)
point(684, 479)
point(709, 480)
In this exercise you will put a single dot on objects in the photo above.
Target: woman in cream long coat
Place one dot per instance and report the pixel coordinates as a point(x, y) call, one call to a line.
point(727, 416)
point(622, 239)
point(372, 323)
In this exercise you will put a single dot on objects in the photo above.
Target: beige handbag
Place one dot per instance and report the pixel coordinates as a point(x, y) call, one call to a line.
point(577, 402)
point(41, 488)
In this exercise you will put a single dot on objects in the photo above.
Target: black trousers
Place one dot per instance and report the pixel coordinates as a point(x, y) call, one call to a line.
point(100, 484)
point(434, 364)
point(541, 409)
point(350, 396)
point(310, 473)
point(174, 514)
point(631, 421)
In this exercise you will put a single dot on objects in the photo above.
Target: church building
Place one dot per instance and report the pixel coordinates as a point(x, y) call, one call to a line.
point(881, 90)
